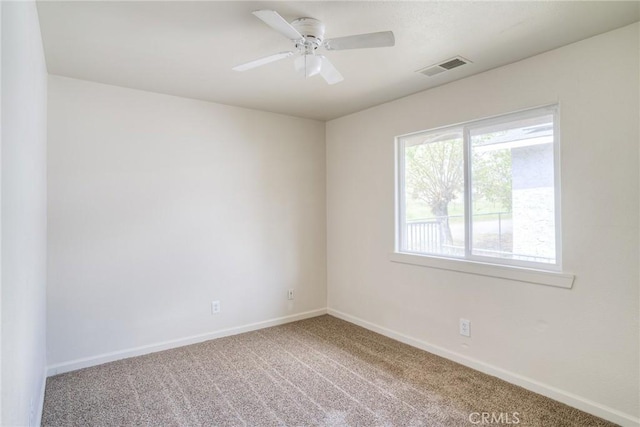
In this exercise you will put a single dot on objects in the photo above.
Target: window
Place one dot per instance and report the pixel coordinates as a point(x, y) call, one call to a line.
point(483, 191)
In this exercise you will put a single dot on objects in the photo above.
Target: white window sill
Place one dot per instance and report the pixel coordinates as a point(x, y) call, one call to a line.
point(528, 275)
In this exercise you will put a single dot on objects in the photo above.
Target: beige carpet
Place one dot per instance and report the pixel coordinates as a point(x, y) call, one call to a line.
point(316, 372)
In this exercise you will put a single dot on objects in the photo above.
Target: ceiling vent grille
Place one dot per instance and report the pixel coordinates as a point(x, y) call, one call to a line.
point(447, 65)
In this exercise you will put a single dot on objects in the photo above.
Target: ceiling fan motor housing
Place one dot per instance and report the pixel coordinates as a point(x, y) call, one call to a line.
point(308, 35)
point(312, 30)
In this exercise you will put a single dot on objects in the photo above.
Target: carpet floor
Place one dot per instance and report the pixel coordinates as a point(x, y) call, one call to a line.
point(315, 372)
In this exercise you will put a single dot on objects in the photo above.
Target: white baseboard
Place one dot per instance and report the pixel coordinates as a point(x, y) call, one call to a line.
point(86, 362)
point(40, 405)
point(554, 393)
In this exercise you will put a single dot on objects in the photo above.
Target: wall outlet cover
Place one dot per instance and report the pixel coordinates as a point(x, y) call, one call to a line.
point(465, 327)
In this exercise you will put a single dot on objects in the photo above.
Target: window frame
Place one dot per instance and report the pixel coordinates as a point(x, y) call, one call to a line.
point(433, 260)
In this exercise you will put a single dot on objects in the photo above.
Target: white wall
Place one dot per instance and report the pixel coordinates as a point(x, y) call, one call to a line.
point(583, 342)
point(159, 205)
point(24, 217)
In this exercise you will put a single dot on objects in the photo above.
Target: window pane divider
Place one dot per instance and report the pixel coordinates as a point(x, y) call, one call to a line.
point(468, 226)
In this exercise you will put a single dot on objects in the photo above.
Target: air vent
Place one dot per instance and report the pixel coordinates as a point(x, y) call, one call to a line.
point(447, 65)
point(455, 62)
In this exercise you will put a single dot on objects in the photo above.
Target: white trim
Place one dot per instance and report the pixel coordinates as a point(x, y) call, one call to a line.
point(586, 405)
point(519, 274)
point(400, 233)
point(40, 406)
point(557, 185)
point(86, 362)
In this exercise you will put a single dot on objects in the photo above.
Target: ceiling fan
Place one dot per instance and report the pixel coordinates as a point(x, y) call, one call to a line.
point(307, 34)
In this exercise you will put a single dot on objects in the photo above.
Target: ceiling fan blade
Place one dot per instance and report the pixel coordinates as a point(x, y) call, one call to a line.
point(278, 23)
point(360, 41)
point(329, 72)
point(262, 61)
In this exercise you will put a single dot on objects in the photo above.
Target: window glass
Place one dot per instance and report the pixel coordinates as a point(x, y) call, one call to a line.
point(512, 190)
point(434, 193)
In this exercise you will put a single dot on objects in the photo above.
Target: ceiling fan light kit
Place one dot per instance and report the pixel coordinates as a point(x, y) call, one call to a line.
point(307, 34)
point(308, 64)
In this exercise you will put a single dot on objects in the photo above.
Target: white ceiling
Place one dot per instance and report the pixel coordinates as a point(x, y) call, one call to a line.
point(188, 48)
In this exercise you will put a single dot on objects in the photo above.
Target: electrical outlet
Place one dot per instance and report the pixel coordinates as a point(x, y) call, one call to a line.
point(290, 294)
point(215, 307)
point(465, 327)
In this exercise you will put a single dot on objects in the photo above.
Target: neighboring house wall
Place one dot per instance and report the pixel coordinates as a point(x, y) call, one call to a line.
point(532, 201)
point(159, 205)
point(24, 215)
point(581, 344)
